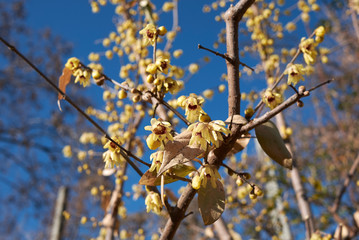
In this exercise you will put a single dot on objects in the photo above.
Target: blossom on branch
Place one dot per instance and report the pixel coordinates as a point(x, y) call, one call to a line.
point(153, 202)
point(307, 47)
point(295, 73)
point(208, 174)
point(271, 98)
point(206, 133)
point(163, 64)
point(156, 159)
point(161, 133)
point(112, 156)
point(149, 34)
point(193, 106)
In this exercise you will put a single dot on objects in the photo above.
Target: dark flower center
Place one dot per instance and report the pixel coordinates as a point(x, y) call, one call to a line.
point(113, 145)
point(149, 34)
point(159, 130)
point(192, 107)
point(271, 99)
point(163, 65)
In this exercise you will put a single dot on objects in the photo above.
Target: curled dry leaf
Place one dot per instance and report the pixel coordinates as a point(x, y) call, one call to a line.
point(236, 119)
point(272, 144)
point(240, 144)
point(211, 202)
point(179, 170)
point(64, 80)
point(179, 152)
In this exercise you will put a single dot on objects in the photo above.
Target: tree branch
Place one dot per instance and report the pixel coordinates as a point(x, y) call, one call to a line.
point(342, 190)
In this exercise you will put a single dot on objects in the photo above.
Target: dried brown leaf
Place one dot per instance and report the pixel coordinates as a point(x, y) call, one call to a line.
point(64, 80)
point(151, 178)
point(211, 202)
point(179, 152)
point(240, 144)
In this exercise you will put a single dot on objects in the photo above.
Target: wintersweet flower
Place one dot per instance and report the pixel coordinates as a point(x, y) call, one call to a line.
point(163, 64)
point(82, 76)
point(192, 105)
point(272, 99)
point(295, 73)
point(73, 63)
point(206, 133)
point(149, 34)
point(112, 156)
point(161, 133)
point(307, 46)
point(156, 159)
point(208, 173)
point(153, 202)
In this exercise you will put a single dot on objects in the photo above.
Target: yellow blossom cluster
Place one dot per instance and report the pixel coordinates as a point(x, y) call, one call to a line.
point(161, 133)
point(272, 98)
point(153, 202)
point(208, 174)
point(112, 156)
point(206, 133)
point(193, 106)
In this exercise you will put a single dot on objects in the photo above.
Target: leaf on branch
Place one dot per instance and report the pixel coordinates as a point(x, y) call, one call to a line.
point(64, 80)
point(211, 202)
point(236, 119)
point(179, 152)
point(179, 170)
point(240, 144)
point(273, 145)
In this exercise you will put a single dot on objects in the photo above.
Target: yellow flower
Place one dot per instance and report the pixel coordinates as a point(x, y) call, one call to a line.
point(208, 173)
point(272, 99)
point(172, 85)
point(319, 34)
point(192, 105)
point(73, 63)
point(149, 34)
point(156, 159)
point(163, 64)
point(295, 73)
point(205, 133)
point(67, 152)
point(153, 202)
point(82, 76)
point(161, 133)
point(307, 46)
point(112, 156)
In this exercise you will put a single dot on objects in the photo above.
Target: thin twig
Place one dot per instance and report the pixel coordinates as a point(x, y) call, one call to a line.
point(74, 105)
point(224, 56)
point(342, 190)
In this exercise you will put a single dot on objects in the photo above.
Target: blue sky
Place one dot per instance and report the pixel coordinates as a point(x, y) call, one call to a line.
point(74, 22)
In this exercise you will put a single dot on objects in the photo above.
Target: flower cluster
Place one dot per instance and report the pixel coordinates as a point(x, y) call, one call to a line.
point(295, 73)
point(161, 133)
point(156, 159)
point(82, 75)
point(208, 173)
point(150, 33)
point(112, 156)
point(271, 98)
point(153, 202)
point(193, 106)
point(307, 47)
point(162, 64)
point(206, 133)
